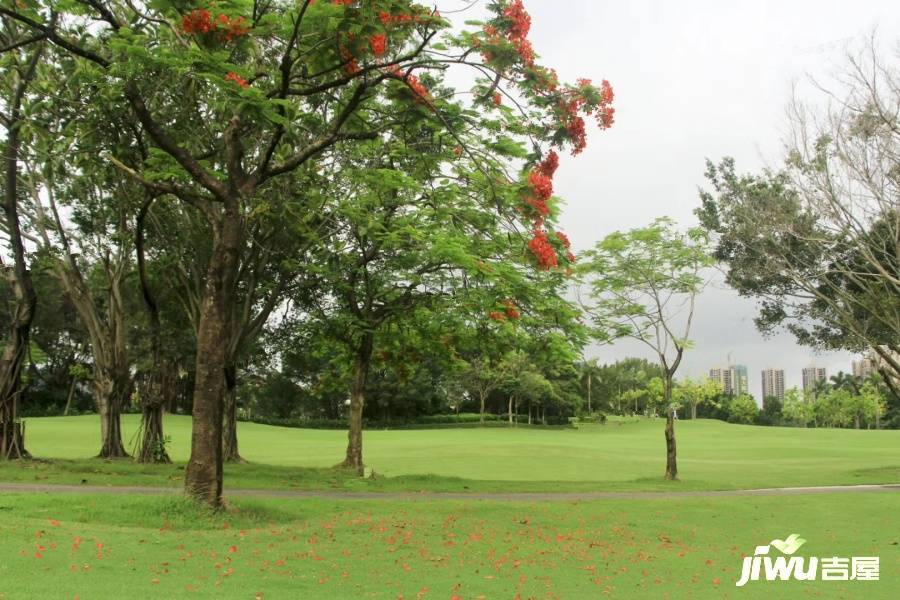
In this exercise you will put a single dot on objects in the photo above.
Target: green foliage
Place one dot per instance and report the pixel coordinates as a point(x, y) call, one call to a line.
point(743, 409)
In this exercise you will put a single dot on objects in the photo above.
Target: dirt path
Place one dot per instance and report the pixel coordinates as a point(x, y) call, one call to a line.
point(437, 496)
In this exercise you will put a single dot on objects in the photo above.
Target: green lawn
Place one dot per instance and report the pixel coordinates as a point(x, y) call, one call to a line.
point(111, 547)
point(114, 546)
point(616, 456)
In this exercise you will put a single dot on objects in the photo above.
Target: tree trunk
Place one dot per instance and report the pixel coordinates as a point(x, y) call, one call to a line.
point(354, 459)
point(509, 410)
point(230, 441)
point(693, 411)
point(529, 412)
point(69, 397)
point(671, 464)
point(158, 391)
point(12, 432)
point(110, 394)
point(153, 441)
point(857, 420)
point(203, 476)
point(589, 394)
point(482, 395)
point(155, 396)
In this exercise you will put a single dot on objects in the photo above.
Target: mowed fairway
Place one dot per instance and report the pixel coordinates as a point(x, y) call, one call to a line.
point(619, 455)
point(112, 547)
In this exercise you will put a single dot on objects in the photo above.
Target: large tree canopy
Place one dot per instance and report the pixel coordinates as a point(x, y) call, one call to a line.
point(233, 107)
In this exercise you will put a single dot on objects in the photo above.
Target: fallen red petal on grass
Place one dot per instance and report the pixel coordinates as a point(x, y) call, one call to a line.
point(54, 522)
point(232, 549)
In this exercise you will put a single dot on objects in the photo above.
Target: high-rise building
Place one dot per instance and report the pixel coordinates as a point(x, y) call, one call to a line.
point(773, 384)
point(811, 376)
point(863, 367)
point(733, 379)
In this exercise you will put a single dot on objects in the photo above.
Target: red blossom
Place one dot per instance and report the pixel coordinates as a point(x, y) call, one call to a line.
point(511, 311)
point(541, 207)
point(520, 20)
point(541, 184)
point(549, 165)
point(232, 76)
point(543, 250)
point(378, 43)
point(498, 99)
point(197, 21)
point(200, 21)
point(496, 315)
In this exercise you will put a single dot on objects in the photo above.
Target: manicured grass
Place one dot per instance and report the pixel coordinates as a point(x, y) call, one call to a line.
point(616, 456)
point(113, 546)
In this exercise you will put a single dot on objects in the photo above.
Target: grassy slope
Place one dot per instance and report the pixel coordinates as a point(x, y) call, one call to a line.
point(615, 456)
point(152, 547)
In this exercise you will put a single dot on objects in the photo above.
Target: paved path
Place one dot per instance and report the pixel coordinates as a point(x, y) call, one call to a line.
point(436, 496)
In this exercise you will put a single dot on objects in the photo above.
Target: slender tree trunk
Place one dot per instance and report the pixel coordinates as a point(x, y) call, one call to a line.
point(203, 476)
point(671, 464)
point(69, 397)
point(354, 459)
point(230, 442)
point(589, 394)
point(158, 390)
point(110, 394)
point(693, 410)
point(509, 410)
point(529, 412)
point(12, 432)
point(482, 396)
point(857, 420)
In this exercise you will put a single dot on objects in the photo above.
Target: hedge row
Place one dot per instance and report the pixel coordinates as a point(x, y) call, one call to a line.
point(422, 422)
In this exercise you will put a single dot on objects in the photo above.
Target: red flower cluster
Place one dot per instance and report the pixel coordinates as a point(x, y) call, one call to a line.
point(543, 250)
point(498, 99)
point(576, 101)
point(541, 185)
point(517, 28)
point(199, 21)
point(389, 19)
point(511, 311)
point(520, 20)
point(564, 239)
point(420, 92)
point(351, 66)
point(549, 165)
point(232, 76)
point(378, 43)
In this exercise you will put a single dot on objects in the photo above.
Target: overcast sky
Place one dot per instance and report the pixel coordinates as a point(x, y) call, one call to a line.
point(693, 80)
